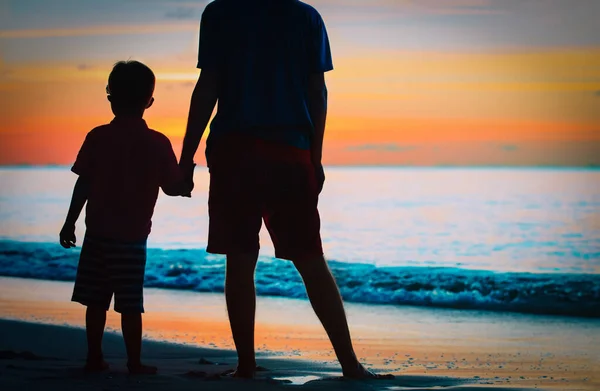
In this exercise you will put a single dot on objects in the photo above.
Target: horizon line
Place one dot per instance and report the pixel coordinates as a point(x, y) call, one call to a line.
point(373, 165)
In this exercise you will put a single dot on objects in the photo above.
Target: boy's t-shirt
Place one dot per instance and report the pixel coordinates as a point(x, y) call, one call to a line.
point(125, 163)
point(264, 52)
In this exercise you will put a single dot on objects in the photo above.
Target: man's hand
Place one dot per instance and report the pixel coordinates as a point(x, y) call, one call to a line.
point(67, 236)
point(320, 175)
point(188, 178)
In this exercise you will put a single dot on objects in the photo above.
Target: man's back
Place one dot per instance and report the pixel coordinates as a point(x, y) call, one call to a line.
point(264, 51)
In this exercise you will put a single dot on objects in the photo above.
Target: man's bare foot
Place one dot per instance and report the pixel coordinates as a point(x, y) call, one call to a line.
point(361, 373)
point(141, 369)
point(244, 372)
point(96, 366)
point(240, 373)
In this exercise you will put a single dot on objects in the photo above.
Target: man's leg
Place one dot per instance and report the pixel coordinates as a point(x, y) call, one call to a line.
point(240, 296)
point(292, 219)
point(235, 220)
point(325, 299)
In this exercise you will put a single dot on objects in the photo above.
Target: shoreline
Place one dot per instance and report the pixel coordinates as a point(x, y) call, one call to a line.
point(47, 357)
point(508, 350)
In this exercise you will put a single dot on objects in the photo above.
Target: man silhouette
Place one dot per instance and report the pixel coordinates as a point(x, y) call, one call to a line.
point(264, 61)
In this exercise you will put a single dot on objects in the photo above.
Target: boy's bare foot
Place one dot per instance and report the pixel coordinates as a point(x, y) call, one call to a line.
point(141, 369)
point(96, 366)
point(361, 373)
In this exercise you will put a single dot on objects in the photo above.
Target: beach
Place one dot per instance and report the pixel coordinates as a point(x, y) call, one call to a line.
point(424, 348)
point(458, 279)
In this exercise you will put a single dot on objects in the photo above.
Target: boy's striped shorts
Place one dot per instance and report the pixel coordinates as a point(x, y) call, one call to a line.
point(108, 267)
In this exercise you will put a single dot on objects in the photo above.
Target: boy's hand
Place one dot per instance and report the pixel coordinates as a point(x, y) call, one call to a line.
point(67, 236)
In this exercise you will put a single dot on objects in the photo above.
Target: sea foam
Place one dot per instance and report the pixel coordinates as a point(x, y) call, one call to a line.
point(195, 270)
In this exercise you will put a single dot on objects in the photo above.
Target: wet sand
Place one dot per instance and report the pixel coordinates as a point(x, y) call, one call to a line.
point(424, 348)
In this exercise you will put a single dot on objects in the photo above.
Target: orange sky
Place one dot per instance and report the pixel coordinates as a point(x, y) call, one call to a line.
point(457, 96)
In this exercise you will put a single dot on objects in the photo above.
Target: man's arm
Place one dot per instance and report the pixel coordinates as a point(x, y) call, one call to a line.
point(202, 104)
point(317, 105)
point(319, 61)
point(80, 196)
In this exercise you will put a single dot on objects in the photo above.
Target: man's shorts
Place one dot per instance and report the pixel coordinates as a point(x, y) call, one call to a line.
point(252, 181)
point(108, 267)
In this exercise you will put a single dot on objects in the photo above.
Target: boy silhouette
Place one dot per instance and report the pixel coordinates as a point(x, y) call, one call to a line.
point(121, 167)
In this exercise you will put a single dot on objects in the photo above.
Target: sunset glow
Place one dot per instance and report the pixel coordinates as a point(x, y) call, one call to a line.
point(467, 82)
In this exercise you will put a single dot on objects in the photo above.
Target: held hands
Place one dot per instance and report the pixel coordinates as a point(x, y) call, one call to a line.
point(188, 179)
point(67, 236)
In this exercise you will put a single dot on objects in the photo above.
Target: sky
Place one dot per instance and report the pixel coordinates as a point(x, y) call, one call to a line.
point(416, 82)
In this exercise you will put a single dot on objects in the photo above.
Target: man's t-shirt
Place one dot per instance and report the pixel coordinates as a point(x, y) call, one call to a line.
point(124, 163)
point(264, 52)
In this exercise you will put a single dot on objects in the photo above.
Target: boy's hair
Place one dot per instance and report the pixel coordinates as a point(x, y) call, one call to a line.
point(131, 84)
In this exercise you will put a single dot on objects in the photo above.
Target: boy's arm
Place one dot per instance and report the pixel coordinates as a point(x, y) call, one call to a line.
point(83, 167)
point(80, 196)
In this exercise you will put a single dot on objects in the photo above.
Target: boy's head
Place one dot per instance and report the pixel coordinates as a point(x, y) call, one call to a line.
point(130, 88)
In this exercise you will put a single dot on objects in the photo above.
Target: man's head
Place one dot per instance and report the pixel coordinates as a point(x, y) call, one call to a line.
point(130, 88)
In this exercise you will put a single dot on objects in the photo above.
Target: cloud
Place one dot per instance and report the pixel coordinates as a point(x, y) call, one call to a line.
point(184, 13)
point(383, 9)
point(382, 147)
point(509, 147)
point(597, 93)
point(455, 7)
point(5, 76)
point(99, 30)
point(84, 67)
point(177, 76)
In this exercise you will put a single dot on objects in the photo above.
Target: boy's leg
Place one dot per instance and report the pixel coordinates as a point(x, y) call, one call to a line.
point(92, 289)
point(126, 264)
point(95, 321)
point(131, 324)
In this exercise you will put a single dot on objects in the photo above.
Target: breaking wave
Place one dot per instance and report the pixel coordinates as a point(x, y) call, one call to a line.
point(195, 270)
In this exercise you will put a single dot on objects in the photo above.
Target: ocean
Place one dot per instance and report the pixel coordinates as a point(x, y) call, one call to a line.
point(499, 239)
